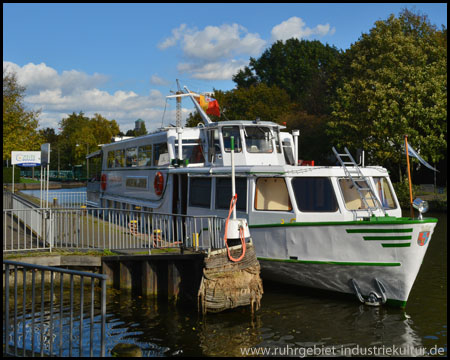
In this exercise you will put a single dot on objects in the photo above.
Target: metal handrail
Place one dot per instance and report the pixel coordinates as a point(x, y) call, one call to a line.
point(105, 228)
point(47, 343)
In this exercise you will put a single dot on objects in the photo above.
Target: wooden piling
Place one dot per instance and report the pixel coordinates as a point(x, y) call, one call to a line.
point(212, 281)
point(227, 284)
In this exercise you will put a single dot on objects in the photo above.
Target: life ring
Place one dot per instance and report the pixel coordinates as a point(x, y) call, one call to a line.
point(158, 183)
point(103, 182)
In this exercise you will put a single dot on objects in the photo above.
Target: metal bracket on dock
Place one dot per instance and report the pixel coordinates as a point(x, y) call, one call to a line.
point(374, 299)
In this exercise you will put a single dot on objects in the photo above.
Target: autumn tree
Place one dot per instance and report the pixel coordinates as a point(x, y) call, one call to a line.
point(395, 83)
point(19, 125)
point(81, 135)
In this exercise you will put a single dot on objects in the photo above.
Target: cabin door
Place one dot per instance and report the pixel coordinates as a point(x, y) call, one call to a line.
point(179, 204)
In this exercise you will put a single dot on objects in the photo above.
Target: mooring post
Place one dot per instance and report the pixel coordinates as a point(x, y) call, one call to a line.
point(149, 279)
point(174, 279)
point(126, 279)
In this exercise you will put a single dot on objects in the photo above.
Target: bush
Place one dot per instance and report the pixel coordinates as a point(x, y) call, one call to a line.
point(7, 175)
point(402, 191)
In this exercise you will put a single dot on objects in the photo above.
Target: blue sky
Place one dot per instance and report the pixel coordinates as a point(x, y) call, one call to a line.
point(121, 60)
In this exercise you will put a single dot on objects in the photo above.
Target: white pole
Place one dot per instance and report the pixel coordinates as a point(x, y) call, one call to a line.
point(233, 182)
point(295, 134)
point(13, 180)
point(48, 168)
point(40, 197)
point(180, 141)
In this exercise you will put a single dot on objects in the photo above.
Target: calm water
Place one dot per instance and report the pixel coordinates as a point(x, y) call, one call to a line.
point(37, 193)
point(294, 318)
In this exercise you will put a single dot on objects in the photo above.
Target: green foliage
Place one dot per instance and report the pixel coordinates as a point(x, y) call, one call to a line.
point(137, 132)
point(19, 125)
point(7, 175)
point(402, 191)
point(394, 83)
point(257, 101)
point(314, 143)
point(304, 69)
point(81, 135)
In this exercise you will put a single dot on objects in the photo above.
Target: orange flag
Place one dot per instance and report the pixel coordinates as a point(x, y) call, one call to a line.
point(210, 105)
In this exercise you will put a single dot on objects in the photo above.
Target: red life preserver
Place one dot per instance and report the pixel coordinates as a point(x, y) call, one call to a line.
point(158, 183)
point(103, 182)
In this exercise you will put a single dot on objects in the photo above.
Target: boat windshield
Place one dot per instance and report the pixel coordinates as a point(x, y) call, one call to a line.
point(384, 192)
point(258, 139)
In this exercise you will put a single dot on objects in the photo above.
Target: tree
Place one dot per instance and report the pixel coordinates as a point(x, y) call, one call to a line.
point(81, 135)
point(304, 69)
point(395, 83)
point(19, 125)
point(257, 101)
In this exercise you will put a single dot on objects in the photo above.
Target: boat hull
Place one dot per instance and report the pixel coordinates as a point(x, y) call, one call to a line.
point(330, 255)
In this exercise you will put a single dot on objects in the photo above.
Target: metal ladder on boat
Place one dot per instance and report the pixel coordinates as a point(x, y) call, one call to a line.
point(355, 175)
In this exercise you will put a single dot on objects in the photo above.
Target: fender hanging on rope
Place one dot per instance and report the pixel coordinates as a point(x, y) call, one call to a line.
point(241, 232)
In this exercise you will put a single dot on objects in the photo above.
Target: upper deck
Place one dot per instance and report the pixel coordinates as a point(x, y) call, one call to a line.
point(256, 143)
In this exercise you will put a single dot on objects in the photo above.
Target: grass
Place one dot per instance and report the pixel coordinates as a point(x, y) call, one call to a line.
point(59, 252)
point(29, 181)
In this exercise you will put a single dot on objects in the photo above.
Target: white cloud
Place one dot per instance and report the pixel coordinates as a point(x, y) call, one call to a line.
point(157, 80)
point(211, 53)
point(215, 43)
point(212, 71)
point(295, 27)
point(58, 95)
point(36, 77)
point(171, 41)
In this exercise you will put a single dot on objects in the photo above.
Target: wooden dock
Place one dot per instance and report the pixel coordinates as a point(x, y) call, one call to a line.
point(211, 281)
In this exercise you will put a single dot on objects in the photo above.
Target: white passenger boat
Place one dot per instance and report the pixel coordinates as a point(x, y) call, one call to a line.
point(336, 228)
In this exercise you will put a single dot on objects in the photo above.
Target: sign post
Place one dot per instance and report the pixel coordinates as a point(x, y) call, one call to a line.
point(45, 156)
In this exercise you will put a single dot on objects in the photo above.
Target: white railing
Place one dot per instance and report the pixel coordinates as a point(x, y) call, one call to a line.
point(27, 227)
point(67, 199)
point(108, 229)
point(130, 229)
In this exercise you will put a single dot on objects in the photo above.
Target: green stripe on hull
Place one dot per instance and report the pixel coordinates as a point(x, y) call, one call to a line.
point(365, 231)
point(396, 245)
point(381, 221)
point(396, 303)
point(344, 263)
point(387, 237)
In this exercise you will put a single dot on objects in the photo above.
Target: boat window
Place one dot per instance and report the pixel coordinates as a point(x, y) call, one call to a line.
point(271, 194)
point(258, 139)
point(145, 155)
point(288, 154)
point(384, 192)
point(314, 194)
point(223, 193)
point(213, 144)
point(161, 154)
point(131, 157)
point(110, 159)
point(200, 192)
point(227, 133)
point(192, 150)
point(352, 198)
point(119, 158)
